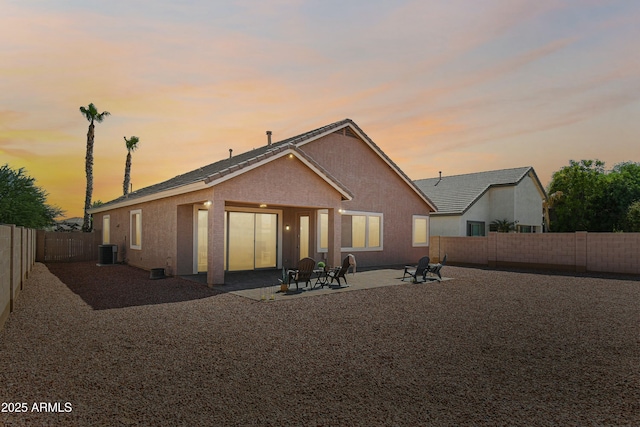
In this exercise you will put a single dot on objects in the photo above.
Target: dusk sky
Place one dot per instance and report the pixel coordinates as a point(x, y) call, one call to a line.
point(451, 86)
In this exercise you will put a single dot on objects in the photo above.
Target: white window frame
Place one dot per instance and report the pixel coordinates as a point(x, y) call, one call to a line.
point(366, 248)
point(413, 231)
point(106, 229)
point(132, 216)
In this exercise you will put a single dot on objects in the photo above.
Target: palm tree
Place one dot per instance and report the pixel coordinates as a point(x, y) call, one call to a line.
point(132, 144)
point(91, 114)
point(504, 225)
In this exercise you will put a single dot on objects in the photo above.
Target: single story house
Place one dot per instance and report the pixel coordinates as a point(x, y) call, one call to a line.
point(468, 204)
point(323, 194)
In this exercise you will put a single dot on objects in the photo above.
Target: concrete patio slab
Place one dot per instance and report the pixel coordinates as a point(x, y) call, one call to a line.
point(358, 281)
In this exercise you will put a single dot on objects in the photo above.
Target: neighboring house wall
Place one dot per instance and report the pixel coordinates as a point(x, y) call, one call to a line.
point(480, 211)
point(501, 204)
point(520, 202)
point(446, 225)
point(528, 204)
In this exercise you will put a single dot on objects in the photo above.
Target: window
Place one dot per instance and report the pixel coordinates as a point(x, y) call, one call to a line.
point(360, 231)
point(475, 228)
point(526, 229)
point(420, 230)
point(106, 229)
point(135, 228)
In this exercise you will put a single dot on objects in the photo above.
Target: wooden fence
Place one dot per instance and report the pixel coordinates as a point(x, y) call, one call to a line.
point(55, 246)
point(17, 254)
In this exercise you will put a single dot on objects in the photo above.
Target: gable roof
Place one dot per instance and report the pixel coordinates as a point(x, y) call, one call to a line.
point(228, 168)
point(454, 195)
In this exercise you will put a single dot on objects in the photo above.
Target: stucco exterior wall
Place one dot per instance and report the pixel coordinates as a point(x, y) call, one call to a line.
point(285, 181)
point(528, 203)
point(159, 227)
point(501, 201)
point(446, 225)
point(376, 188)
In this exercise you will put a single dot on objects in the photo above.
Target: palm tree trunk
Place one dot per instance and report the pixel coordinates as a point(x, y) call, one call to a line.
point(127, 175)
point(86, 225)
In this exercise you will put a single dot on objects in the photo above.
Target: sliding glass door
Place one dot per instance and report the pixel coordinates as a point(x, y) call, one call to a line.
point(251, 240)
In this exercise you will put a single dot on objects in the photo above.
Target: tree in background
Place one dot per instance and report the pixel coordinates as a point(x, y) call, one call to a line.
point(581, 184)
point(623, 189)
point(591, 199)
point(91, 114)
point(22, 202)
point(547, 206)
point(132, 144)
point(633, 217)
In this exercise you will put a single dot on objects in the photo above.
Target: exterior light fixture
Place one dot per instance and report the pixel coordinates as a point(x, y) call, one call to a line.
point(263, 205)
point(291, 156)
point(286, 227)
point(208, 203)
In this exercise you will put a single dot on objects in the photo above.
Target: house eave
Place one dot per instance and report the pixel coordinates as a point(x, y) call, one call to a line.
point(176, 191)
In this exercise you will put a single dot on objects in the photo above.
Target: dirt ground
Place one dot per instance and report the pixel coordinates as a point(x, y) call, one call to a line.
point(89, 345)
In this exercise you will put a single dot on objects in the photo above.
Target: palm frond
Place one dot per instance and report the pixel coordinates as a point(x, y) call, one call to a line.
point(100, 117)
point(131, 143)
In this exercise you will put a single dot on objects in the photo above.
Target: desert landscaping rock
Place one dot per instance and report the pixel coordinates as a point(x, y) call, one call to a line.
point(487, 348)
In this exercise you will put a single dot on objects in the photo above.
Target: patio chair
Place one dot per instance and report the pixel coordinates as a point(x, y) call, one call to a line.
point(417, 271)
point(435, 268)
point(304, 271)
point(339, 272)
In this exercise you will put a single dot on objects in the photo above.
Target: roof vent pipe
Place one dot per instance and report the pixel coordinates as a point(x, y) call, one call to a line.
point(230, 152)
point(439, 179)
point(268, 137)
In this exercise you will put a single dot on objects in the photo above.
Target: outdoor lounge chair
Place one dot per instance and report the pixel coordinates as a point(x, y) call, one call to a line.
point(435, 268)
point(339, 272)
point(303, 273)
point(417, 272)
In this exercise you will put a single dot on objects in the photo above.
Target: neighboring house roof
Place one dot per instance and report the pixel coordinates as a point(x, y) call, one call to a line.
point(228, 168)
point(453, 195)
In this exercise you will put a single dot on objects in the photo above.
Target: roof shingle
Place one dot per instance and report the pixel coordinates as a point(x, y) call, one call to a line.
point(455, 194)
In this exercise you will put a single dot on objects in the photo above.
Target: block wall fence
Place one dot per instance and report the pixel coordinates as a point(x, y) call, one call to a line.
point(17, 257)
point(576, 252)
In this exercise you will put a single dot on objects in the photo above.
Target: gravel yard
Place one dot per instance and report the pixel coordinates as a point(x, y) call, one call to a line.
point(488, 348)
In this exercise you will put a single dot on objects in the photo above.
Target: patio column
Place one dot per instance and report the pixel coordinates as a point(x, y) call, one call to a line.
point(334, 252)
point(215, 244)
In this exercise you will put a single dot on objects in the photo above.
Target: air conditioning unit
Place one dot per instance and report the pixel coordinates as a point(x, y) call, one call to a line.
point(107, 254)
